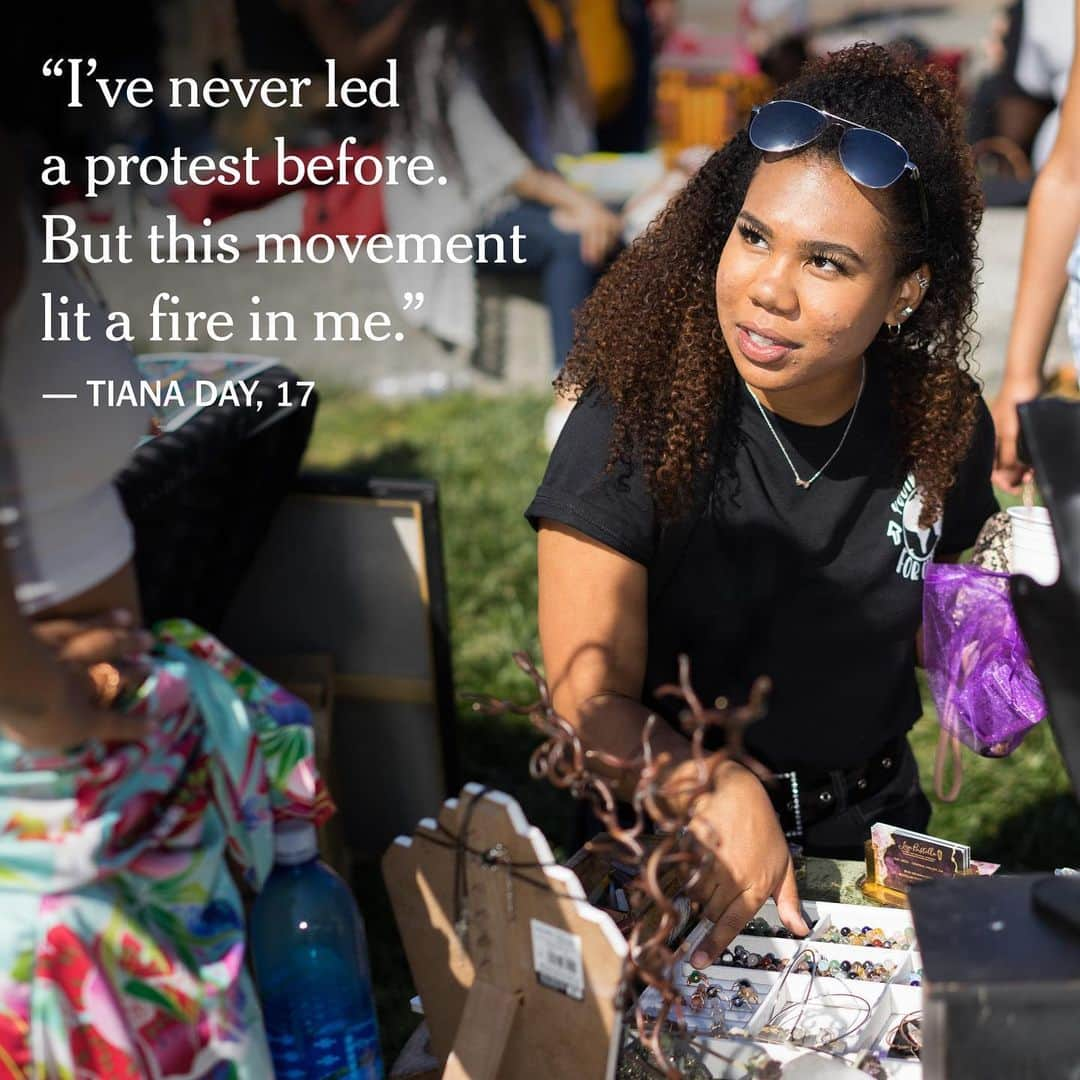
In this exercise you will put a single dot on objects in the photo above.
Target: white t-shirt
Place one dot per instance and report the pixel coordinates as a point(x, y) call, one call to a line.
point(1043, 60)
point(65, 527)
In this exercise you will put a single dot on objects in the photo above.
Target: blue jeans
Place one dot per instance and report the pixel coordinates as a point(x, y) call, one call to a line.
point(554, 255)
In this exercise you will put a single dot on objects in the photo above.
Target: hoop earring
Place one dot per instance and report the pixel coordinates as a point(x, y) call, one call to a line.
point(924, 283)
point(894, 330)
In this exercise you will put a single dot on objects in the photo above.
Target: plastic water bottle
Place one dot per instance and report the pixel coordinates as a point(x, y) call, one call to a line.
point(311, 965)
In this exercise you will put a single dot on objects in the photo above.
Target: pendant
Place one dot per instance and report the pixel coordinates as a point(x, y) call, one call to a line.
point(802, 483)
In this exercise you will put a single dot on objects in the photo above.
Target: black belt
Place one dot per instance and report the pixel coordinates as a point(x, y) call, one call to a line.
point(803, 799)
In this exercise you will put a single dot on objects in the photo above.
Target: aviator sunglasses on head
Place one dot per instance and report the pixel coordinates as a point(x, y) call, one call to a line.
point(871, 158)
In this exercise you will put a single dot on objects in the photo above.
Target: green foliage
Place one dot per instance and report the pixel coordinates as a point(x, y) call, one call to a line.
point(1017, 811)
point(487, 457)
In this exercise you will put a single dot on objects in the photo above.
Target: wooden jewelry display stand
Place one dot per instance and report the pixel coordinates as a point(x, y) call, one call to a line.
point(518, 974)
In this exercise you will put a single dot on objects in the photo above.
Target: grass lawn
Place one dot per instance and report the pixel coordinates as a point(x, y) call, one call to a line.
point(486, 456)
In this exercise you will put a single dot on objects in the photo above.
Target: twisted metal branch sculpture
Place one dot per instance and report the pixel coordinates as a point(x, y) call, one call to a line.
point(563, 760)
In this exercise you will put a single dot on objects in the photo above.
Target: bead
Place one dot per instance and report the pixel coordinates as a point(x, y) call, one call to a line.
point(866, 929)
point(727, 957)
point(753, 960)
point(845, 965)
point(694, 977)
point(845, 931)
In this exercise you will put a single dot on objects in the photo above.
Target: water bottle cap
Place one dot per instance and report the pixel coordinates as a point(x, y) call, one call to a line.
point(295, 842)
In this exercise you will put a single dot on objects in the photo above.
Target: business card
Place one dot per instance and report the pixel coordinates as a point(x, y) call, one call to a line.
point(902, 857)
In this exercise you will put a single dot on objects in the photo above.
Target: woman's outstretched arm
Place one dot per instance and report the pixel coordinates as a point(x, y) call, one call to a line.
point(1053, 222)
point(593, 630)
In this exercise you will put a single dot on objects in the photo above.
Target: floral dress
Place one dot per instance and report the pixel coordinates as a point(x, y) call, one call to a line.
point(122, 943)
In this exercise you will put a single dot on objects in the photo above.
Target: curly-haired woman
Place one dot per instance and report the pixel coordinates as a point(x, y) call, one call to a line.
point(776, 432)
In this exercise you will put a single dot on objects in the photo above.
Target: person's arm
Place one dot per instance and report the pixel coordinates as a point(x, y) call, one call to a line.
point(573, 211)
point(45, 690)
point(594, 636)
point(1052, 224)
point(356, 52)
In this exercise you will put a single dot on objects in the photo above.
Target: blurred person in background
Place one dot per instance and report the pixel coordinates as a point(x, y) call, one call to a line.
point(1046, 266)
point(1043, 59)
point(1000, 106)
point(664, 16)
point(488, 98)
point(609, 51)
point(296, 37)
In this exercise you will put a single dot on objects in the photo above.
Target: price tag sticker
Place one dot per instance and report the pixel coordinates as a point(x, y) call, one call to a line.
point(557, 959)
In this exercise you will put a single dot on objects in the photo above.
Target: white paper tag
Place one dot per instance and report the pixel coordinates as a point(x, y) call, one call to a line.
point(557, 959)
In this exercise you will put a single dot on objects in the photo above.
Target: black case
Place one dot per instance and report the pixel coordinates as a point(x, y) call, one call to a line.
point(1001, 989)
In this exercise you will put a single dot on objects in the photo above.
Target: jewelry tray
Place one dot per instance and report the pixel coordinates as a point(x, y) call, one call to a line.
point(835, 1004)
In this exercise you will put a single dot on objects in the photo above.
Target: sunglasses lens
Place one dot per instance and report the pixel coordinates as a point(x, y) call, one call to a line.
point(785, 125)
point(872, 159)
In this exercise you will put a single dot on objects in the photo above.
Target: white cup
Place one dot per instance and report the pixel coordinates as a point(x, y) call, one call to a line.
point(1034, 549)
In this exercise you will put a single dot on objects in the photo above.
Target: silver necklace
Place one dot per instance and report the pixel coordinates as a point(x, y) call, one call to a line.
point(800, 482)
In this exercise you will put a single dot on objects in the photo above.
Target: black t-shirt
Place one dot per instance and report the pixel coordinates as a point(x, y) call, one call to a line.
point(819, 588)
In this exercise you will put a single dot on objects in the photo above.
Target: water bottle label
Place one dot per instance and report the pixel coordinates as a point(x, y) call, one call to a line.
point(557, 959)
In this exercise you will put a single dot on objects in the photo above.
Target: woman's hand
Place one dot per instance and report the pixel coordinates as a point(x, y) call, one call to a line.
point(599, 228)
point(65, 709)
point(752, 860)
point(1009, 471)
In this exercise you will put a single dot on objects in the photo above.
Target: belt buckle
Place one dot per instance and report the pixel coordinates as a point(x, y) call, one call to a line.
point(793, 782)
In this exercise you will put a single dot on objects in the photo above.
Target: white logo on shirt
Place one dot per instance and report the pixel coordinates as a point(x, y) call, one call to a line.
point(915, 542)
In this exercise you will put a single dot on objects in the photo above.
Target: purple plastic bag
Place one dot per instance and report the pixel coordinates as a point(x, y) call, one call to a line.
point(977, 662)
